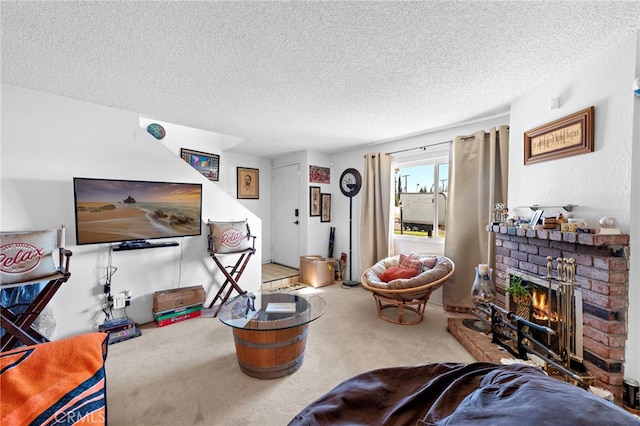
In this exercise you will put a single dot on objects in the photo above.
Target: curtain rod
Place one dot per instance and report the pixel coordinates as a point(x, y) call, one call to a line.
point(423, 147)
point(419, 147)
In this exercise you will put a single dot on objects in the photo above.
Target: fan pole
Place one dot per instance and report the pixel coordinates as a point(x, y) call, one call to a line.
point(350, 283)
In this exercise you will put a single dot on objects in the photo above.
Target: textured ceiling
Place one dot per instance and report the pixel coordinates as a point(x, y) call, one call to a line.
point(285, 76)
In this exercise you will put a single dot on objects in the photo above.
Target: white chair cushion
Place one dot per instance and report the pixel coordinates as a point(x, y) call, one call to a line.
point(230, 237)
point(27, 256)
point(371, 276)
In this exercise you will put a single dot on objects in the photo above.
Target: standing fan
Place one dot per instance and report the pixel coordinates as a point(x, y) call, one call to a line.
point(350, 184)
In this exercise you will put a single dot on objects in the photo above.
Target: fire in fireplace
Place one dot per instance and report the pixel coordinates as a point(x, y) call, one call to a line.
point(561, 312)
point(544, 307)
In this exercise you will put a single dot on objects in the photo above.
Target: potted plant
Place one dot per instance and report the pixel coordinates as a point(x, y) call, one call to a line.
point(521, 295)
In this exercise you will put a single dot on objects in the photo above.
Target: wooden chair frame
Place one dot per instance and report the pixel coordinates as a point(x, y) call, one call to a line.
point(17, 326)
point(232, 273)
point(413, 299)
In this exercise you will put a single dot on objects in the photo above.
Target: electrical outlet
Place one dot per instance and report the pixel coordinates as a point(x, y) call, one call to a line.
point(119, 301)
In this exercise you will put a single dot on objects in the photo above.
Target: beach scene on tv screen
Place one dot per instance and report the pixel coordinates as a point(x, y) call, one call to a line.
point(112, 210)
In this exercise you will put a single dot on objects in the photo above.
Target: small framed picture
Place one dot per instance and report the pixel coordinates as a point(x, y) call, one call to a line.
point(314, 201)
point(319, 174)
point(248, 183)
point(326, 208)
point(536, 218)
point(207, 164)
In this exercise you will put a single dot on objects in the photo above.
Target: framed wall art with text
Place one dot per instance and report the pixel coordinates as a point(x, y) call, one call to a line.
point(565, 137)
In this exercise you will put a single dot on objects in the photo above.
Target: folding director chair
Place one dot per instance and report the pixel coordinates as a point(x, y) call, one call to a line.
point(29, 258)
point(230, 238)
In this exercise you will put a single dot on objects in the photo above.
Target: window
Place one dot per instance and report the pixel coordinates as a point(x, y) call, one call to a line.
point(421, 198)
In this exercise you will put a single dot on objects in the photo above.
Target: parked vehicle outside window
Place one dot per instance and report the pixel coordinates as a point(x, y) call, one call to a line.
point(421, 191)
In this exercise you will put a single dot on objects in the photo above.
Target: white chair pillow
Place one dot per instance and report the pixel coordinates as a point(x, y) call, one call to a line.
point(27, 256)
point(230, 237)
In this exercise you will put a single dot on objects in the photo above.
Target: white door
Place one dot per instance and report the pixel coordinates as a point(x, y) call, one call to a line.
point(285, 225)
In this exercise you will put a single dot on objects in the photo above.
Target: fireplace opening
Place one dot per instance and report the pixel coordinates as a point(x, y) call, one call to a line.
point(543, 311)
point(556, 305)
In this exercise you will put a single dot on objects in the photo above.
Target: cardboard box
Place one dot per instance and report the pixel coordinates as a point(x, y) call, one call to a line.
point(317, 271)
point(175, 298)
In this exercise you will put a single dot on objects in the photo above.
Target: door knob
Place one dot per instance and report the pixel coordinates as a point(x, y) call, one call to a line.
point(296, 222)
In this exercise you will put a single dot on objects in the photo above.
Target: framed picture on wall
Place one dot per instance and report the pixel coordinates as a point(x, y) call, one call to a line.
point(319, 174)
point(248, 183)
point(314, 201)
point(567, 136)
point(207, 164)
point(326, 208)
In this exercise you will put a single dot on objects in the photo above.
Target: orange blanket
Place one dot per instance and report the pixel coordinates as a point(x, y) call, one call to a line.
point(60, 382)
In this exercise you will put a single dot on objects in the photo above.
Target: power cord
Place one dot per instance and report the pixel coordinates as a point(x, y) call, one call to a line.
point(107, 306)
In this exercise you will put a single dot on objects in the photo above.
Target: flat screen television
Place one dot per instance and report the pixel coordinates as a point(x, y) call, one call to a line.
point(120, 211)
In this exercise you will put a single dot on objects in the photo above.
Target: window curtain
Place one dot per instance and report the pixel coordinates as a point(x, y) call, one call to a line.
point(478, 177)
point(375, 226)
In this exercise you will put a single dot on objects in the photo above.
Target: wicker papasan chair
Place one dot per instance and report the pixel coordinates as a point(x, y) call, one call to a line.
point(406, 282)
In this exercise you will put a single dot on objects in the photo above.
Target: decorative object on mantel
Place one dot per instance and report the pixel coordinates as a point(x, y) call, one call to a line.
point(533, 223)
point(608, 226)
point(500, 214)
point(576, 225)
point(550, 223)
point(565, 137)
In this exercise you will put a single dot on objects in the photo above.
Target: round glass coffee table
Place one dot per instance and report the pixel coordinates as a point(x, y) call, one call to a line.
point(270, 330)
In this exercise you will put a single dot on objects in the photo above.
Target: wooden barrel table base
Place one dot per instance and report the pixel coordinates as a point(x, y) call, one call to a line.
point(269, 354)
point(270, 330)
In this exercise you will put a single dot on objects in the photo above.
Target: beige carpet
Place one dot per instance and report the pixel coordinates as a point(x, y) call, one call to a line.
point(187, 373)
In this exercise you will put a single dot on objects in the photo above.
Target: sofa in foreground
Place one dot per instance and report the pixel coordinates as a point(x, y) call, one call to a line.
point(460, 394)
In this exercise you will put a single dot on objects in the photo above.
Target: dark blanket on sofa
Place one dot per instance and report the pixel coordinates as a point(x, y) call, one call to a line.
point(459, 394)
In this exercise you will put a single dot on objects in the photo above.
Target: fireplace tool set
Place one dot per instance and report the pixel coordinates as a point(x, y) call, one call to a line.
point(521, 337)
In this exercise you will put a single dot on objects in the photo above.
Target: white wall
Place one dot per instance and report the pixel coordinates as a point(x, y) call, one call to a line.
point(600, 183)
point(318, 232)
point(178, 137)
point(597, 182)
point(632, 367)
point(46, 141)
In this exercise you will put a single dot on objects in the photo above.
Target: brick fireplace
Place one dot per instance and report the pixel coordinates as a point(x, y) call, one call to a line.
point(601, 273)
